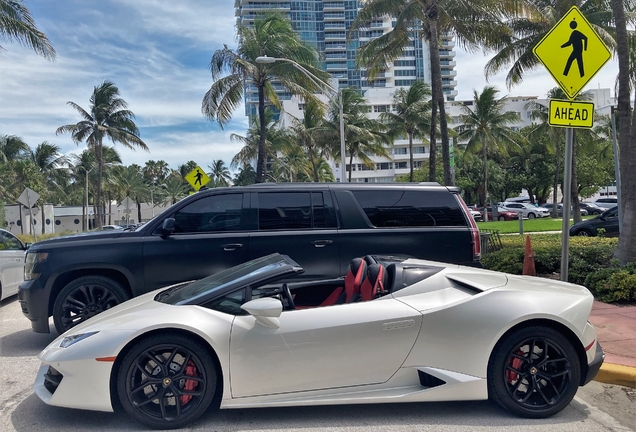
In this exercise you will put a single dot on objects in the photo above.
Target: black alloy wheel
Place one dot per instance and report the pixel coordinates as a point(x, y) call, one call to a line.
point(167, 381)
point(84, 298)
point(534, 373)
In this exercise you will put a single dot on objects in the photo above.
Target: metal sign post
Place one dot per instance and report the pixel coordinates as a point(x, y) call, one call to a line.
point(27, 197)
point(567, 201)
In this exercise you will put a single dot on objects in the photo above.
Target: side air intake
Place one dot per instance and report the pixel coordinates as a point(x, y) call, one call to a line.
point(428, 380)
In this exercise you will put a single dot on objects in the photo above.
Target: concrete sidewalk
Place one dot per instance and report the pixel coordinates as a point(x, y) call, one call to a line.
point(616, 327)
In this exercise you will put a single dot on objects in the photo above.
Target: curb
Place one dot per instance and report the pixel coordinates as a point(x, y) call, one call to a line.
point(617, 375)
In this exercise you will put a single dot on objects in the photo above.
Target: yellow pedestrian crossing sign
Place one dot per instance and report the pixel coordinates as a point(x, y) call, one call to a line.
point(572, 52)
point(197, 178)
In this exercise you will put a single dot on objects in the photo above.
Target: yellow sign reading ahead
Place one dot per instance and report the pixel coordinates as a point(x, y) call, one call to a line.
point(571, 114)
point(197, 178)
point(572, 52)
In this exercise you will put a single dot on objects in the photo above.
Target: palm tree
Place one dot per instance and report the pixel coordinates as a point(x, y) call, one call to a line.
point(220, 174)
point(308, 133)
point(276, 141)
point(364, 137)
point(412, 116)
point(52, 165)
point(108, 117)
point(271, 35)
point(12, 147)
point(186, 168)
point(172, 189)
point(472, 23)
point(245, 176)
point(487, 129)
point(17, 24)
point(130, 181)
point(626, 248)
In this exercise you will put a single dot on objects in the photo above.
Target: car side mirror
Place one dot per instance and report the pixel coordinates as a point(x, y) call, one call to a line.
point(266, 311)
point(27, 246)
point(167, 227)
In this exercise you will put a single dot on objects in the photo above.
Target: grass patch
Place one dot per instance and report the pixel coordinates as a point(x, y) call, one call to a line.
point(529, 225)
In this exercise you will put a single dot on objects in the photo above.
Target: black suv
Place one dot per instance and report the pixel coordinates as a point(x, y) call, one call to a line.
point(322, 226)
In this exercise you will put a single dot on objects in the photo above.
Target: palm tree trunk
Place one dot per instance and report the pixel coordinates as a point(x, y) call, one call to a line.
point(411, 156)
point(100, 172)
point(626, 248)
point(350, 166)
point(138, 211)
point(438, 94)
point(261, 159)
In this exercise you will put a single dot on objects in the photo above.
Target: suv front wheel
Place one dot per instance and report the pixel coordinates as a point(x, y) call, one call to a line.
point(84, 298)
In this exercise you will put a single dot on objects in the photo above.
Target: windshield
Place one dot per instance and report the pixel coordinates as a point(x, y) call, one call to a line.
point(251, 271)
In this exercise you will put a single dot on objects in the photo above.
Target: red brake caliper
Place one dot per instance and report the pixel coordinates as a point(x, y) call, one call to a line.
point(189, 385)
point(515, 363)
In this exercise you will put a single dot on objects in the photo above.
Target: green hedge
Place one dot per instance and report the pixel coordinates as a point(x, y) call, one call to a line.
point(590, 263)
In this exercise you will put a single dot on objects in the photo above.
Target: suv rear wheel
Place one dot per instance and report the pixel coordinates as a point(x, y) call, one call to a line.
point(84, 298)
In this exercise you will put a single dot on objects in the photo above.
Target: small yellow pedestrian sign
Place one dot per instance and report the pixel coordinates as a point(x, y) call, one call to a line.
point(572, 52)
point(197, 178)
point(571, 114)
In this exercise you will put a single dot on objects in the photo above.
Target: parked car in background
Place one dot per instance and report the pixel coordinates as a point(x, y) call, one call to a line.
point(475, 213)
point(606, 202)
point(528, 210)
point(607, 220)
point(560, 209)
point(502, 214)
point(12, 256)
point(324, 225)
point(592, 209)
point(112, 227)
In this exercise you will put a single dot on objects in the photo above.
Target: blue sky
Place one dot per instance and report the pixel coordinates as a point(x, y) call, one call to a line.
point(157, 53)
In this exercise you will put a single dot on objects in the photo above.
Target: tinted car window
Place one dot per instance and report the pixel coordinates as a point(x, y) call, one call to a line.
point(400, 208)
point(293, 210)
point(10, 242)
point(211, 214)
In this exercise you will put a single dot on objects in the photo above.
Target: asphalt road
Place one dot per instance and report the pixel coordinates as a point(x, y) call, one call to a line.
point(21, 410)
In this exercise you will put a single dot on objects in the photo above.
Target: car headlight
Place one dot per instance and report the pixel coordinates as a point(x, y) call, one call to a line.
point(32, 259)
point(72, 340)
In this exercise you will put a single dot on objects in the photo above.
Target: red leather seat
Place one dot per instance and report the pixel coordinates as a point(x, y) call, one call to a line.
point(376, 282)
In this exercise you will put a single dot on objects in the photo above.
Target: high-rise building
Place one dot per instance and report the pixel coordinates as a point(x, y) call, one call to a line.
point(326, 25)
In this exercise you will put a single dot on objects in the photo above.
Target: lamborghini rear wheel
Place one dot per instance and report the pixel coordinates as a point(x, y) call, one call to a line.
point(167, 381)
point(535, 372)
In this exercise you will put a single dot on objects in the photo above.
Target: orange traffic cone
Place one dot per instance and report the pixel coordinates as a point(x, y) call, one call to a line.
point(528, 260)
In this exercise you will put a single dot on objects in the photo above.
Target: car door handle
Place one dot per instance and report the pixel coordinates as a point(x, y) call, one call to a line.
point(231, 246)
point(321, 243)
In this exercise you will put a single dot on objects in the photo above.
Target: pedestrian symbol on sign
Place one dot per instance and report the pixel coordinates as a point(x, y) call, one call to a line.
point(578, 41)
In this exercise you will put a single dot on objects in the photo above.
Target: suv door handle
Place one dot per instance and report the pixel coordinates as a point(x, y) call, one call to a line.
point(231, 246)
point(321, 243)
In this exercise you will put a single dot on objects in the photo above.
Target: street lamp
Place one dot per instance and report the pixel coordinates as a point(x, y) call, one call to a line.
point(334, 93)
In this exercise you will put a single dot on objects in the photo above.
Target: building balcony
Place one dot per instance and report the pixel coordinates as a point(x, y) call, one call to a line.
point(451, 83)
point(448, 43)
point(335, 47)
point(446, 54)
point(333, 6)
point(449, 73)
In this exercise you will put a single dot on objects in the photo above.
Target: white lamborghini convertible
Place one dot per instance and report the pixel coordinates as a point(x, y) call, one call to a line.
point(391, 330)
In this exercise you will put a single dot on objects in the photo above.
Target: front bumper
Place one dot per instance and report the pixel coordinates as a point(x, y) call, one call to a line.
point(595, 365)
point(34, 301)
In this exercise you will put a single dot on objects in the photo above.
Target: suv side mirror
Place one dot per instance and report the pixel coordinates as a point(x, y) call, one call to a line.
point(167, 227)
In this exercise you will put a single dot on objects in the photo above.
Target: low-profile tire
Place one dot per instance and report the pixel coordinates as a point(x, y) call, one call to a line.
point(534, 373)
point(167, 381)
point(531, 216)
point(84, 298)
